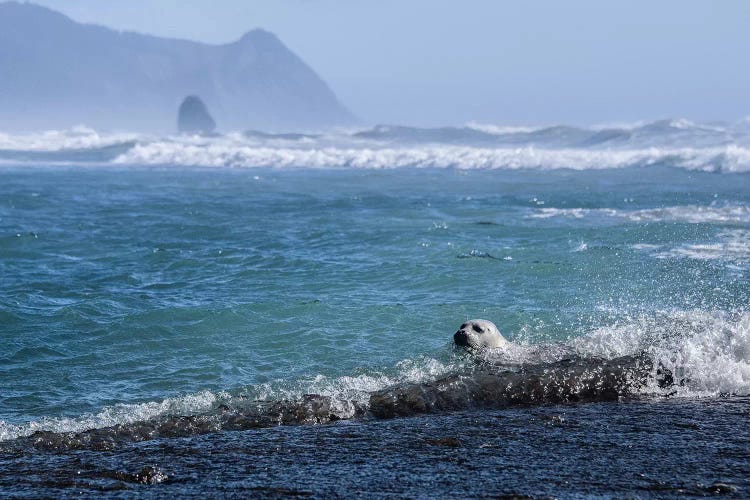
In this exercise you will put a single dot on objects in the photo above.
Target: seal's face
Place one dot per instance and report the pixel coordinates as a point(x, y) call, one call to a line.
point(479, 333)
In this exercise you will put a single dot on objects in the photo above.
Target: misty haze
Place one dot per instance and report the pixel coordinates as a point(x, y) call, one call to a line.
point(58, 73)
point(422, 249)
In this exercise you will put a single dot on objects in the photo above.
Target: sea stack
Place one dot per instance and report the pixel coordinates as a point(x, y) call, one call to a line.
point(194, 118)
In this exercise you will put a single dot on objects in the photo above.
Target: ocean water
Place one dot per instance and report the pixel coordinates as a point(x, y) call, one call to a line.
point(245, 314)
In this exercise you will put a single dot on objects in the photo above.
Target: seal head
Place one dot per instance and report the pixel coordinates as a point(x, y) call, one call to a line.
point(478, 334)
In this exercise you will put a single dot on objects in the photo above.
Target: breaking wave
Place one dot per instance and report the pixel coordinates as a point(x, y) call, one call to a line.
point(708, 352)
point(663, 354)
point(76, 138)
point(729, 159)
point(672, 143)
point(346, 393)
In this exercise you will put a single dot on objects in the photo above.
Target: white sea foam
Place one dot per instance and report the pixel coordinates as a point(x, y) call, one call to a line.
point(693, 214)
point(342, 390)
point(676, 124)
point(627, 126)
point(685, 124)
point(488, 128)
point(221, 153)
point(645, 246)
point(513, 148)
point(77, 138)
point(572, 213)
point(682, 213)
point(709, 351)
point(733, 245)
point(356, 388)
point(117, 414)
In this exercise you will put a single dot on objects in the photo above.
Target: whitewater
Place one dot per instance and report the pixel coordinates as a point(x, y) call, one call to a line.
point(679, 143)
point(178, 312)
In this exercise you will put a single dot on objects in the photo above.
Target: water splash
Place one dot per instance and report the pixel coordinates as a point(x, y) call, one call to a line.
point(704, 354)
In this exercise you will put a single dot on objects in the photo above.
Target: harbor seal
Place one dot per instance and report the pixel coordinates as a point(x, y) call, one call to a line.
point(478, 334)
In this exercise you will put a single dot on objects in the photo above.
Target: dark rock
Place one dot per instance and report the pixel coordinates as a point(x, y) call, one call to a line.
point(721, 488)
point(552, 419)
point(147, 475)
point(150, 475)
point(273, 492)
point(566, 381)
point(450, 442)
point(193, 117)
point(484, 385)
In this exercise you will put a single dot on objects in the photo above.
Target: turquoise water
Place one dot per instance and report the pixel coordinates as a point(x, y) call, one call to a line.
point(166, 303)
point(128, 292)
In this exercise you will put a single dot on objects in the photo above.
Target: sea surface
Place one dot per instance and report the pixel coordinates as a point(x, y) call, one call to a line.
point(271, 315)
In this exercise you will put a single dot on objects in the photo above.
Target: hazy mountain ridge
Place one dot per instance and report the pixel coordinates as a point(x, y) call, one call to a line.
point(58, 73)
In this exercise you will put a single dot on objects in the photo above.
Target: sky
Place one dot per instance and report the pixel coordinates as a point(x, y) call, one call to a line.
point(438, 62)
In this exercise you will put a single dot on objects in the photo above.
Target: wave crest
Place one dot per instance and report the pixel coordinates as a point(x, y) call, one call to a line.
point(668, 353)
point(675, 143)
point(729, 159)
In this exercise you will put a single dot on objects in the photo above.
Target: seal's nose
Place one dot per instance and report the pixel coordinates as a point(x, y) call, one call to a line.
point(460, 338)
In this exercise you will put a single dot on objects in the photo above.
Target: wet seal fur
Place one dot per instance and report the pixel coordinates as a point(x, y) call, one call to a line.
point(479, 333)
point(489, 385)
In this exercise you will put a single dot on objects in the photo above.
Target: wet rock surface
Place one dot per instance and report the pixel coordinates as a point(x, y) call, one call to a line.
point(484, 386)
point(570, 380)
point(312, 409)
point(501, 431)
point(610, 449)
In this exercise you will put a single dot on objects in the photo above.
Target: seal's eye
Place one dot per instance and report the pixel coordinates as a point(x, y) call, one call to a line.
point(462, 326)
point(476, 328)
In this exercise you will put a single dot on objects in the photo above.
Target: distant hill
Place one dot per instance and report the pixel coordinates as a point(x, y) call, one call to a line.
point(56, 73)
